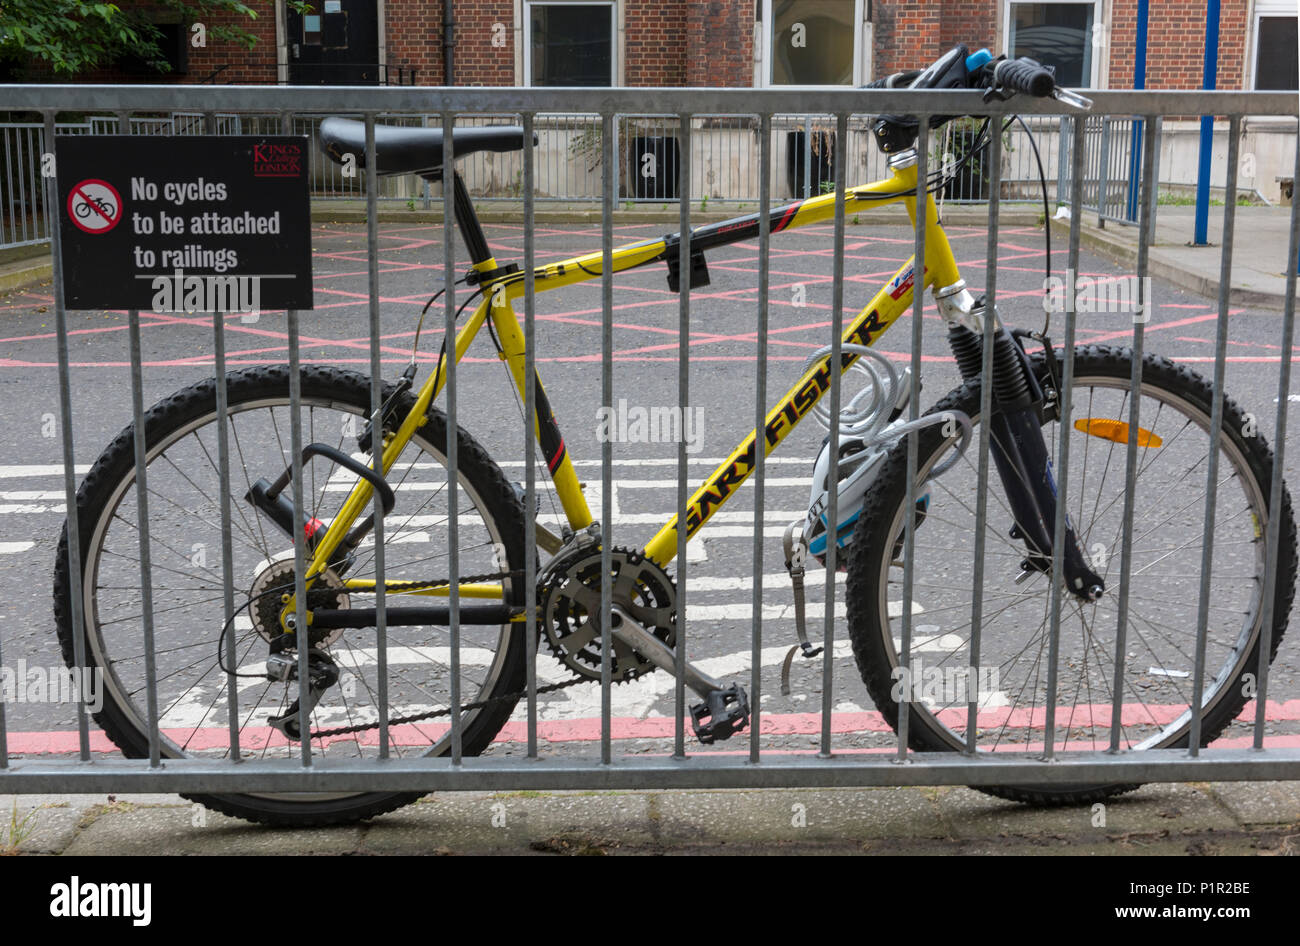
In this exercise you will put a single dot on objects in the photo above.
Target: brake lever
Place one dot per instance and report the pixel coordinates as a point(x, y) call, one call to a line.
point(1073, 99)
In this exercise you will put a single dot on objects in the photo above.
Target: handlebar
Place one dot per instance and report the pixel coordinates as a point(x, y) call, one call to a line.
point(979, 70)
point(1024, 75)
point(956, 69)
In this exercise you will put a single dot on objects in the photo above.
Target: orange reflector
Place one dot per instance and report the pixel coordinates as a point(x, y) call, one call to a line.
point(1116, 430)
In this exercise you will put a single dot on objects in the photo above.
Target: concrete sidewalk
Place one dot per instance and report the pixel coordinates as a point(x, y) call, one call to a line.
point(1261, 236)
point(1218, 818)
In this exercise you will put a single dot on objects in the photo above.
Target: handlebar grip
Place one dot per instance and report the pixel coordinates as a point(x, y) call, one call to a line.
point(1025, 75)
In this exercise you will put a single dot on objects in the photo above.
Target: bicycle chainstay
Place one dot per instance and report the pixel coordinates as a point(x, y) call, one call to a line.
point(433, 714)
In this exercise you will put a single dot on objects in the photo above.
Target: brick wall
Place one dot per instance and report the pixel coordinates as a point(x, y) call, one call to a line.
point(908, 35)
point(1176, 44)
point(973, 22)
point(710, 42)
point(720, 43)
point(477, 61)
point(415, 37)
point(657, 42)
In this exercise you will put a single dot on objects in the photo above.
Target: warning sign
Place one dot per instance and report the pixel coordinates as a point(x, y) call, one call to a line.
point(185, 224)
point(95, 206)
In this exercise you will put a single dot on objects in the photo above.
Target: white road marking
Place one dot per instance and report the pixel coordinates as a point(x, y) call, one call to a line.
point(13, 548)
point(775, 581)
point(34, 470)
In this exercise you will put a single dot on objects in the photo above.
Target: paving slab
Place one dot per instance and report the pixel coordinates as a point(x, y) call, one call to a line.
point(1152, 808)
point(556, 822)
point(795, 816)
point(1253, 803)
point(124, 829)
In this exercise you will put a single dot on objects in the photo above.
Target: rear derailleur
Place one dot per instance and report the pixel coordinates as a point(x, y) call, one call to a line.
point(322, 673)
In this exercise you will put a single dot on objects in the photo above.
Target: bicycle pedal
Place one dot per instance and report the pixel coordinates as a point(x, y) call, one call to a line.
point(723, 713)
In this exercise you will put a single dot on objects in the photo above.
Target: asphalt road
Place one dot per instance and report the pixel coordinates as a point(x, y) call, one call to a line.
point(178, 352)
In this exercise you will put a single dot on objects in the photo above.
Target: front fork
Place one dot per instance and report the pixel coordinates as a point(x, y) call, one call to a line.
point(1019, 451)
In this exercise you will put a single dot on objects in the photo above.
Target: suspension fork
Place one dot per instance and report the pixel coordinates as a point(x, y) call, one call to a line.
point(1019, 451)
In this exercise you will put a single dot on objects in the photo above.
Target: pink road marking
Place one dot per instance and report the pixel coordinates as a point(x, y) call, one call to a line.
point(656, 727)
point(1270, 742)
point(1210, 341)
point(1128, 332)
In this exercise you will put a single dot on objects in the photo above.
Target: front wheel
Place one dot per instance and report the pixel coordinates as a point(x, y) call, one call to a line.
point(1009, 680)
point(184, 524)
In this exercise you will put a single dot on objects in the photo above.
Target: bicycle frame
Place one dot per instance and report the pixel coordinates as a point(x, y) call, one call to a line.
point(890, 302)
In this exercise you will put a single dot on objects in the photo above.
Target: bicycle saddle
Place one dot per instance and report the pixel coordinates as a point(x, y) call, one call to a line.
point(413, 150)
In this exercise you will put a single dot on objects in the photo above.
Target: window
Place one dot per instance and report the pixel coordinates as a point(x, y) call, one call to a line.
point(569, 44)
point(1276, 65)
point(813, 43)
point(1061, 35)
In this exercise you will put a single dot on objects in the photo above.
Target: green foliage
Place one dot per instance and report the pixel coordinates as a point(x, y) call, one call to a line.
point(72, 36)
point(18, 831)
point(1167, 199)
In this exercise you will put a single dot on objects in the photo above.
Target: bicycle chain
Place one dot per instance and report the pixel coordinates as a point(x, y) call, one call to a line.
point(433, 714)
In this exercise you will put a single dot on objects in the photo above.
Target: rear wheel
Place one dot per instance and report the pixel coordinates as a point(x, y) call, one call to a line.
point(1011, 671)
point(184, 518)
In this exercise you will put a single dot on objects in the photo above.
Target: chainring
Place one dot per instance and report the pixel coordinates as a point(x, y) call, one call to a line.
point(571, 596)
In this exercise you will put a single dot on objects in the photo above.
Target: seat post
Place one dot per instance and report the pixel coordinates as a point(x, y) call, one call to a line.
point(470, 229)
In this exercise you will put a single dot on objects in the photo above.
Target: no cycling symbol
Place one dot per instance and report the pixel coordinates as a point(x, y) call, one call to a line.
point(95, 206)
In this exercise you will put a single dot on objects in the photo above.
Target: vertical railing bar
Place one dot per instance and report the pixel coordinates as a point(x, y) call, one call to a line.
point(807, 157)
point(760, 422)
point(1216, 422)
point(683, 400)
point(921, 203)
point(77, 612)
point(836, 365)
point(1103, 173)
point(376, 431)
point(22, 181)
point(142, 504)
point(986, 413)
point(530, 439)
point(1155, 175)
point(299, 517)
point(9, 194)
point(1062, 144)
point(449, 367)
point(227, 540)
point(425, 200)
point(1274, 531)
point(1060, 522)
point(606, 447)
point(1145, 236)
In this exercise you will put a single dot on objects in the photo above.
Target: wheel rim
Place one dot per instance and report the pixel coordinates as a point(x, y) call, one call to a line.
point(1159, 647)
point(194, 713)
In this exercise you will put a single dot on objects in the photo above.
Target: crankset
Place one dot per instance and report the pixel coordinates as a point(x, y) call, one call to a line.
point(642, 628)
